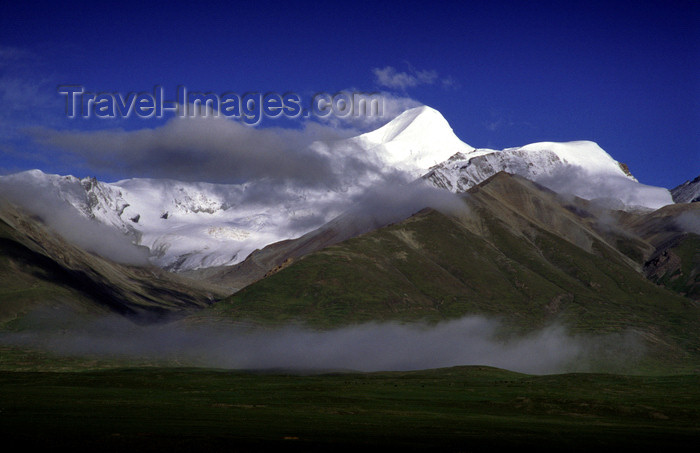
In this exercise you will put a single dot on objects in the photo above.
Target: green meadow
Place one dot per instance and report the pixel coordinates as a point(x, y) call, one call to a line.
point(451, 409)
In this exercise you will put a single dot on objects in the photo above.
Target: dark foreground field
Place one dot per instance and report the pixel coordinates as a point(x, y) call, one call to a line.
point(455, 409)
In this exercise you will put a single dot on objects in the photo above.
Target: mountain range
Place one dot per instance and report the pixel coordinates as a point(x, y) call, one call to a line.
point(188, 226)
point(431, 229)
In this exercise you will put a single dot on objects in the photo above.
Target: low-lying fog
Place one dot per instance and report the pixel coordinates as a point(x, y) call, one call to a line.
point(471, 340)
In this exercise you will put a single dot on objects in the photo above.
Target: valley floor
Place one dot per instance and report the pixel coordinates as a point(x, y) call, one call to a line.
point(453, 409)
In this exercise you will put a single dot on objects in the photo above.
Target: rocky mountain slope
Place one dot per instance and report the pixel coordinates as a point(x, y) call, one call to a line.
point(688, 192)
point(41, 271)
point(579, 168)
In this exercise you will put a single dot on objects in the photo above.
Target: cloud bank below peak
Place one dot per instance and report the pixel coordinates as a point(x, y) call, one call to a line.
point(202, 149)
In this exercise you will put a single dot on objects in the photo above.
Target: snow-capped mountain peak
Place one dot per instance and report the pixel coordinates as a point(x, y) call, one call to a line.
point(190, 225)
point(414, 141)
point(583, 153)
point(580, 168)
point(185, 225)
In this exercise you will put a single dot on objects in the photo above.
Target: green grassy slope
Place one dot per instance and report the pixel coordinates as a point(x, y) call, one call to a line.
point(515, 267)
point(456, 409)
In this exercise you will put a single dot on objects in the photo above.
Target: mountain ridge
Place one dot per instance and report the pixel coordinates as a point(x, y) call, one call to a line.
point(688, 192)
point(524, 254)
point(189, 226)
point(40, 269)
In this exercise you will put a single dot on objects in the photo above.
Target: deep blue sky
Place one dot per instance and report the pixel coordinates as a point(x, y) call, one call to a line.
point(623, 74)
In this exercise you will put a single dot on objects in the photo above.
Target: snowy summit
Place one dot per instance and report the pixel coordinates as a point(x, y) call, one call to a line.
point(414, 141)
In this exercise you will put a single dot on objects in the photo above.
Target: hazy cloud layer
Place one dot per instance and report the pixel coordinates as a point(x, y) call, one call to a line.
point(391, 202)
point(202, 149)
point(368, 347)
point(623, 192)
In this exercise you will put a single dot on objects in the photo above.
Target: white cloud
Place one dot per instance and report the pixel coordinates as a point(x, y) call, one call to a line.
point(611, 190)
point(65, 220)
point(470, 340)
point(390, 78)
